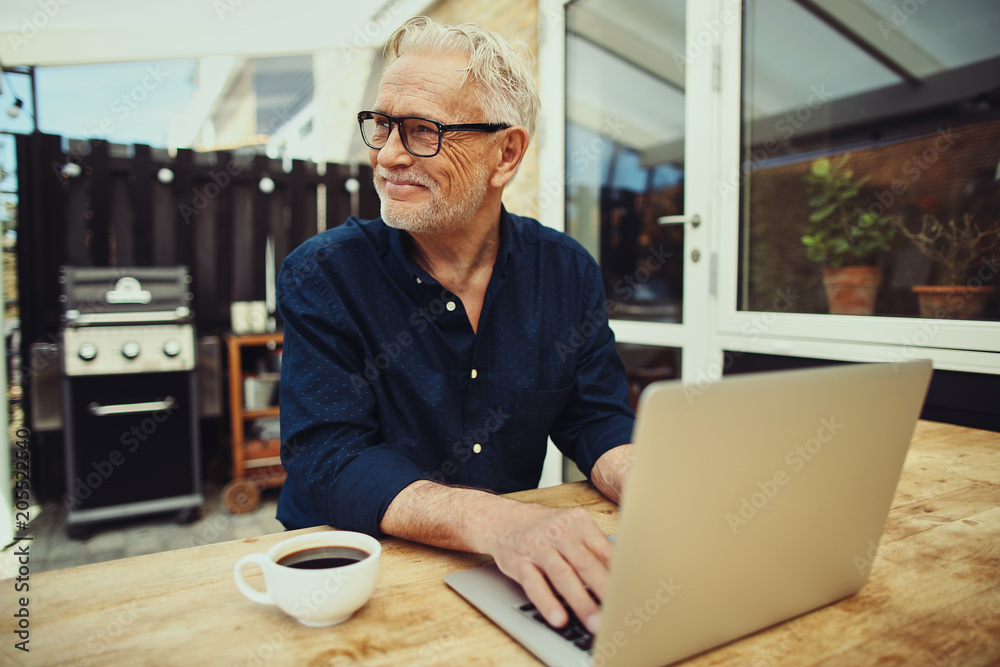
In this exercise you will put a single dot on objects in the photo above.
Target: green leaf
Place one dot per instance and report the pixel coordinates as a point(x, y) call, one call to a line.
point(821, 167)
point(822, 213)
point(816, 254)
point(819, 200)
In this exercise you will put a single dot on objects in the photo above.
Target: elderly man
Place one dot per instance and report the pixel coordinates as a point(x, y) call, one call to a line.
point(430, 353)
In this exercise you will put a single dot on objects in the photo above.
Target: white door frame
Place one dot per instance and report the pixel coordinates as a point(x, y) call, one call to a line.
point(700, 353)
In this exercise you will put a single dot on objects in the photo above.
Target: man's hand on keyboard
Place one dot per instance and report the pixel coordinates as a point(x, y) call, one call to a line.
point(544, 549)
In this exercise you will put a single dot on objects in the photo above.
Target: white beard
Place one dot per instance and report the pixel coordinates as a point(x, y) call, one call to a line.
point(437, 216)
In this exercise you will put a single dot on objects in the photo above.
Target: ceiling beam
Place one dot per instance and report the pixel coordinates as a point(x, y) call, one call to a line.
point(861, 27)
point(624, 44)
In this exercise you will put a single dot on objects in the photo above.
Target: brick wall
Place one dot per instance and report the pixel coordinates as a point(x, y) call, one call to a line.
point(517, 21)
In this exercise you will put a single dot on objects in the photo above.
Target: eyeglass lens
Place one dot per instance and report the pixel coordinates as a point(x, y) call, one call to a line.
point(419, 136)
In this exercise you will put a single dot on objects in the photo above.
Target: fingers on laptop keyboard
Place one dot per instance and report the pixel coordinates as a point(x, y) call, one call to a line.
point(538, 590)
point(574, 594)
point(583, 592)
point(574, 631)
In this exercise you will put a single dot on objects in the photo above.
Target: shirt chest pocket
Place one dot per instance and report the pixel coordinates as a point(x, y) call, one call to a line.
point(531, 420)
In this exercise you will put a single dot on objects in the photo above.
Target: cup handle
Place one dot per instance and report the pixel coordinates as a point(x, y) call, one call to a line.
point(264, 597)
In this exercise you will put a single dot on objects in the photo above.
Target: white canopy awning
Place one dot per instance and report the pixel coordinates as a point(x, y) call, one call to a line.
point(76, 32)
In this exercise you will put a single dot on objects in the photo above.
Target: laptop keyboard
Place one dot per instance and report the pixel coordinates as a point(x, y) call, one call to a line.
point(574, 631)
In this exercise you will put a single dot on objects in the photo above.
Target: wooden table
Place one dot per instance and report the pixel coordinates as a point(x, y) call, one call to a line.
point(933, 598)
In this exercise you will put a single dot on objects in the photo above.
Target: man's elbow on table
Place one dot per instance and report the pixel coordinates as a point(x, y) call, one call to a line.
point(611, 471)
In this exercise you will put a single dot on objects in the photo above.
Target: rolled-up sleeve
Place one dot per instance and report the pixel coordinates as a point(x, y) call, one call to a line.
point(599, 416)
point(339, 469)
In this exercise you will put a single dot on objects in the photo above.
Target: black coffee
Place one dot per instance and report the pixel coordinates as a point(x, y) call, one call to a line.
point(321, 558)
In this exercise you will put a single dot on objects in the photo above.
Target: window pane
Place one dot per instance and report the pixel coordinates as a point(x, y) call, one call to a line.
point(625, 149)
point(645, 364)
point(871, 135)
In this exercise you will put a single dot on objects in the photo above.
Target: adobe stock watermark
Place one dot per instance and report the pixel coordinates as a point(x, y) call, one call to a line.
point(120, 109)
point(913, 169)
point(751, 330)
point(796, 459)
point(625, 288)
point(223, 8)
point(582, 157)
point(466, 446)
point(222, 178)
point(972, 629)
point(35, 23)
point(431, 653)
point(374, 366)
point(371, 34)
point(709, 34)
point(50, 355)
point(913, 347)
point(389, 352)
point(635, 620)
point(777, 650)
point(100, 641)
point(579, 335)
point(899, 16)
point(273, 642)
point(784, 129)
point(202, 196)
point(131, 440)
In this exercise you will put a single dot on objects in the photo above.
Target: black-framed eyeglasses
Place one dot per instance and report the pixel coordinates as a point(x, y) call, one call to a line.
point(421, 136)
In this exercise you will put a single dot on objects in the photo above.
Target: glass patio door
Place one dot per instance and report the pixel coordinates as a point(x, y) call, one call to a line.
point(639, 83)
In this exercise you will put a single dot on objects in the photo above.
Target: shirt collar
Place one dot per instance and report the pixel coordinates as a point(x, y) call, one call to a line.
point(505, 252)
point(399, 241)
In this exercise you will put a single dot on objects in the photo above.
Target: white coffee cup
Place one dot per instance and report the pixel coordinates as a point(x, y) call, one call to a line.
point(315, 597)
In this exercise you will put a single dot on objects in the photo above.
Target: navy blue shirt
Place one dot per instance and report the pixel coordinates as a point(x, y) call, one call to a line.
point(384, 382)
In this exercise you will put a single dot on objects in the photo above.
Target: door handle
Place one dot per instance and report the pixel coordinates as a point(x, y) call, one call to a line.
point(695, 220)
point(99, 410)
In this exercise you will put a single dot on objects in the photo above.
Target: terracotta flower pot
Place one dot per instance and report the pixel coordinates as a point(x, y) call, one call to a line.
point(959, 302)
point(851, 290)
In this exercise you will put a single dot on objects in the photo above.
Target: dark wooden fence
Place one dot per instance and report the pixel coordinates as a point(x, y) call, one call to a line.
point(100, 204)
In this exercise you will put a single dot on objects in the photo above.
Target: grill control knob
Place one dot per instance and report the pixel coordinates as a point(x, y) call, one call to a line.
point(87, 352)
point(131, 350)
point(171, 348)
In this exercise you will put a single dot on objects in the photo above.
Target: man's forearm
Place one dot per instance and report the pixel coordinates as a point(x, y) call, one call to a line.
point(611, 472)
point(442, 516)
point(541, 548)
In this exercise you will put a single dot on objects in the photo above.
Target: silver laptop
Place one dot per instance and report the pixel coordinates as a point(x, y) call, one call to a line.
point(750, 501)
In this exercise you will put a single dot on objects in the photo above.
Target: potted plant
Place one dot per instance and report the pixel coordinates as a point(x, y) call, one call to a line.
point(957, 248)
point(844, 237)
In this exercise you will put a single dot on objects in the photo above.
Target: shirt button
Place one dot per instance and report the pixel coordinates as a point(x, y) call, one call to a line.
point(450, 305)
point(477, 448)
point(474, 373)
point(420, 281)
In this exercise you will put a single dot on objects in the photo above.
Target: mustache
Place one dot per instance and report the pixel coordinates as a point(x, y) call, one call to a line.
point(404, 176)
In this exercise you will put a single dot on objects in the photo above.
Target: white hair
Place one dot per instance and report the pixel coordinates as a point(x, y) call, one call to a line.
point(506, 90)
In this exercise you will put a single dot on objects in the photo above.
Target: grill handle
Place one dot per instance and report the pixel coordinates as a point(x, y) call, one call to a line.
point(99, 410)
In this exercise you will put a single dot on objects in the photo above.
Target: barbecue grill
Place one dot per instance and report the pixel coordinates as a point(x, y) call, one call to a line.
point(129, 396)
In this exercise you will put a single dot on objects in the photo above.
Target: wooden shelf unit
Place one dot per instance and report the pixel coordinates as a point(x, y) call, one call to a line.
point(256, 463)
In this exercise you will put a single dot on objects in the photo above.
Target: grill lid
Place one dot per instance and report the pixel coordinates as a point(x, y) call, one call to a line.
point(108, 295)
